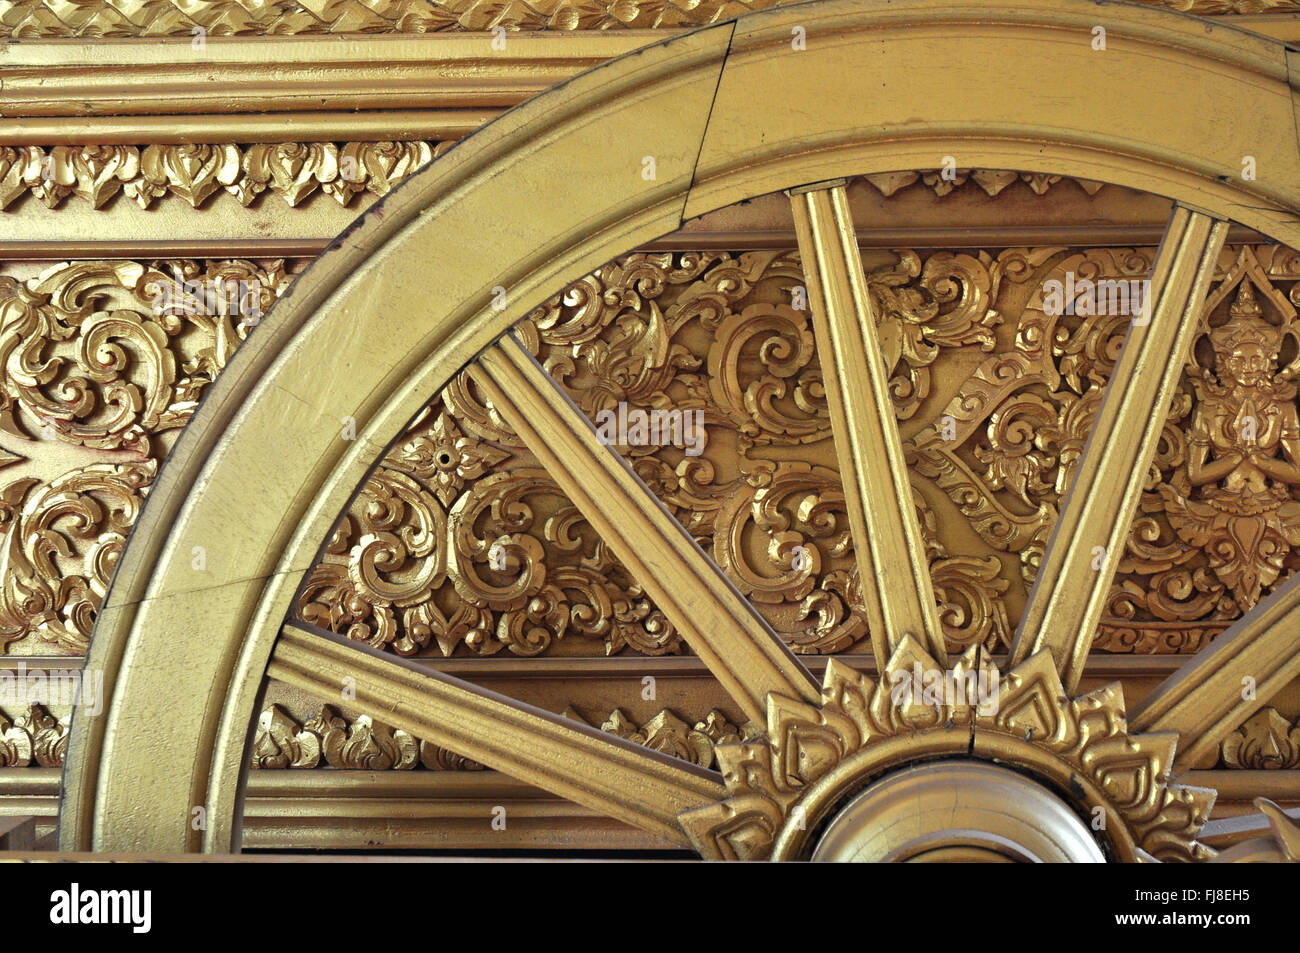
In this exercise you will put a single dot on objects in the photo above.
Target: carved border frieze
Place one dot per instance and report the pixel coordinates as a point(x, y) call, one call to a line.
point(330, 739)
point(195, 173)
point(133, 18)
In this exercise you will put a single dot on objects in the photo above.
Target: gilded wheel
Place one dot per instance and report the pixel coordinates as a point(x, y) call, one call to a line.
point(557, 187)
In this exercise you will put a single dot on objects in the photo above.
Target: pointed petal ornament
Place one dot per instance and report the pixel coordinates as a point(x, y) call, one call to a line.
point(813, 757)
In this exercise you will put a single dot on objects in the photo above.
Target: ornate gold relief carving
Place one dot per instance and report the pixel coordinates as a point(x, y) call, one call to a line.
point(102, 363)
point(33, 738)
point(992, 181)
point(509, 564)
point(195, 172)
point(83, 434)
point(362, 744)
point(718, 335)
point(412, 564)
point(296, 170)
point(667, 733)
point(1266, 741)
point(731, 343)
point(1216, 522)
point(330, 739)
point(1220, 523)
point(48, 18)
point(1218, 7)
point(1235, 495)
point(780, 787)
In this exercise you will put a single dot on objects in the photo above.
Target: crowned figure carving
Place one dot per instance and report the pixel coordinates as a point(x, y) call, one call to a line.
point(1236, 496)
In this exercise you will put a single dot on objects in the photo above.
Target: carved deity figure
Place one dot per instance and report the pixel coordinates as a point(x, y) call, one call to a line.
point(1236, 499)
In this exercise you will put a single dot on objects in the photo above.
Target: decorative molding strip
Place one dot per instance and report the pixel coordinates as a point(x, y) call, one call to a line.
point(135, 18)
point(668, 734)
point(296, 76)
point(992, 181)
point(435, 125)
point(420, 810)
point(376, 810)
point(329, 739)
point(296, 170)
point(139, 18)
point(452, 810)
point(477, 668)
point(194, 173)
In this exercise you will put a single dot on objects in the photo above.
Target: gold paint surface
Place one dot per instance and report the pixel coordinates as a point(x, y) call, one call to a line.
point(195, 172)
point(741, 650)
point(232, 622)
point(1066, 602)
point(892, 567)
point(249, 580)
point(600, 770)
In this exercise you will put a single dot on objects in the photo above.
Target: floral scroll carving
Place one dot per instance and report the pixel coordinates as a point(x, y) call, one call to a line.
point(1217, 524)
point(460, 541)
point(101, 364)
point(995, 396)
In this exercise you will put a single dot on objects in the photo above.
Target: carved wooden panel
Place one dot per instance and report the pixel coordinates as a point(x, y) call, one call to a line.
point(103, 363)
point(995, 396)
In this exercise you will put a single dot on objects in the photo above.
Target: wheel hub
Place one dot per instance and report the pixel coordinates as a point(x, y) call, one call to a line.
point(957, 811)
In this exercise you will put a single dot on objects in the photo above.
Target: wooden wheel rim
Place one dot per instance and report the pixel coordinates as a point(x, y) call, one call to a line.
point(552, 190)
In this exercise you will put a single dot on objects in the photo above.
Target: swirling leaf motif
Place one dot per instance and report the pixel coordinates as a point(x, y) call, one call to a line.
point(86, 513)
point(778, 340)
point(399, 557)
point(701, 331)
point(550, 577)
point(950, 306)
point(797, 519)
point(89, 358)
point(100, 376)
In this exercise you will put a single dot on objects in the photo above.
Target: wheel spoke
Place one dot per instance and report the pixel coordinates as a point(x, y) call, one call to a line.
point(1230, 680)
point(895, 574)
point(1066, 602)
point(569, 759)
point(718, 623)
